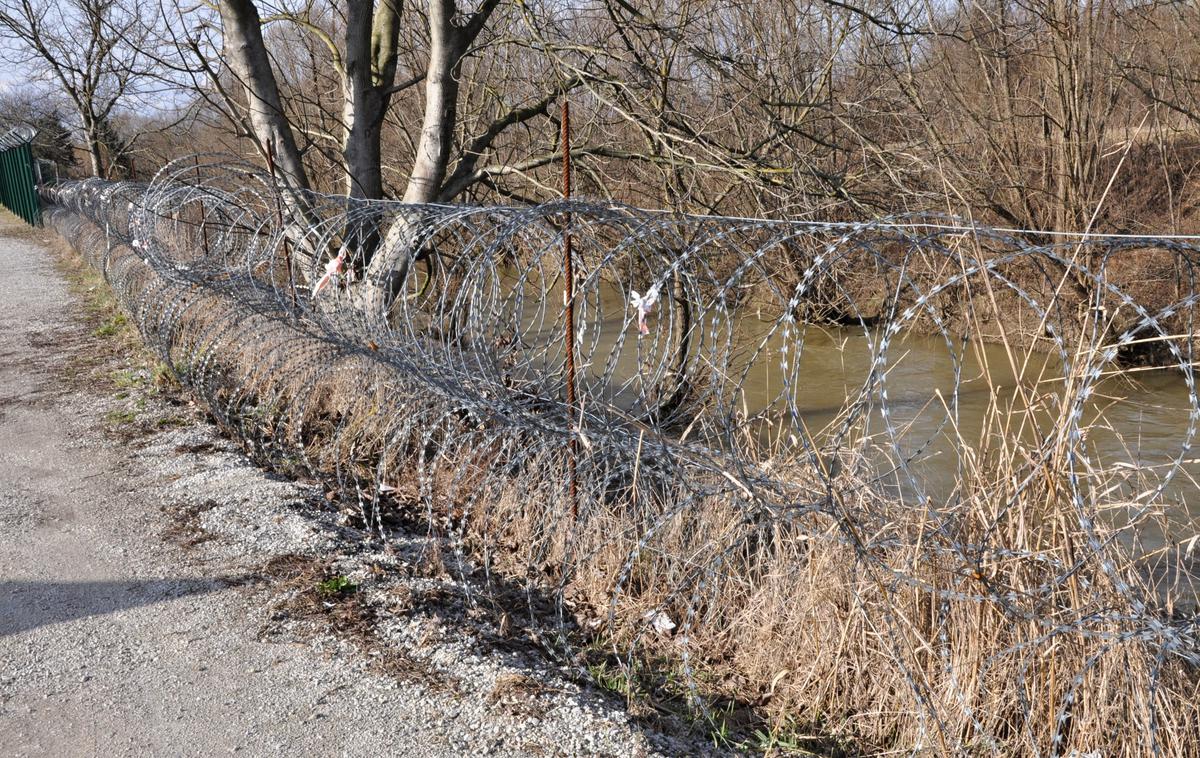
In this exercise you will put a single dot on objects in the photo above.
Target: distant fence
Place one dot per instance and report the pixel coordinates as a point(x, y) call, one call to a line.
point(18, 175)
point(997, 561)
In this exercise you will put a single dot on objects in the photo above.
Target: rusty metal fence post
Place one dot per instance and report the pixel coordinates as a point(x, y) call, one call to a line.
point(569, 304)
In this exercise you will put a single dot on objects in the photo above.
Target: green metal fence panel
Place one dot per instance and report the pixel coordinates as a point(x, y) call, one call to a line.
point(18, 182)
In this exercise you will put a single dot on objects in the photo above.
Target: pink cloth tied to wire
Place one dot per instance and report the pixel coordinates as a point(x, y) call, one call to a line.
point(642, 304)
point(332, 269)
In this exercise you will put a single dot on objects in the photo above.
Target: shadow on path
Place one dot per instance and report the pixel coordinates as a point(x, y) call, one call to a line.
point(26, 605)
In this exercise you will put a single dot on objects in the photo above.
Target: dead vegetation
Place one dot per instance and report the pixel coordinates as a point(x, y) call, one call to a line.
point(519, 694)
point(311, 599)
point(184, 527)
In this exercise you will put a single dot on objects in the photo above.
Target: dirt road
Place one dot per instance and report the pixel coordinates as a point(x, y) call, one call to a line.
point(114, 641)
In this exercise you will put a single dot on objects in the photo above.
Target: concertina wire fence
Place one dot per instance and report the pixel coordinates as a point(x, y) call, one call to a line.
point(693, 499)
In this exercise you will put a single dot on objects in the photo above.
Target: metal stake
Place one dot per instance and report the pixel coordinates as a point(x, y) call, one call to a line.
point(569, 303)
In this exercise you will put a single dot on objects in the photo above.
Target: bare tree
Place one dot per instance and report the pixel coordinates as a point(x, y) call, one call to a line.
point(1018, 102)
point(44, 112)
point(366, 61)
point(91, 48)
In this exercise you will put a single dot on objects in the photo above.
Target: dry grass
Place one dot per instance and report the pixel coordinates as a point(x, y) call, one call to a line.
point(184, 527)
point(519, 695)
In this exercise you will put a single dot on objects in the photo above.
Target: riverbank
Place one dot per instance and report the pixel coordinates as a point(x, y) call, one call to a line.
point(1040, 292)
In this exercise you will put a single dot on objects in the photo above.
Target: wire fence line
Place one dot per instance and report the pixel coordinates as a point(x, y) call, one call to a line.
point(900, 482)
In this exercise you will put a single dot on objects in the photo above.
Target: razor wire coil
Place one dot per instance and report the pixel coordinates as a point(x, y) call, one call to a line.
point(442, 327)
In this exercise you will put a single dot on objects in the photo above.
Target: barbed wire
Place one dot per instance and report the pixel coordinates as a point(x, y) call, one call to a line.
point(896, 476)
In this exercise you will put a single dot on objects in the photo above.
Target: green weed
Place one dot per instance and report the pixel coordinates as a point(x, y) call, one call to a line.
point(614, 679)
point(112, 326)
point(120, 417)
point(128, 378)
point(338, 586)
point(164, 376)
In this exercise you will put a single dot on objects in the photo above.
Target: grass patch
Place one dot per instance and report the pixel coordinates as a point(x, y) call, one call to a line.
point(121, 417)
point(112, 327)
point(783, 740)
point(165, 377)
point(110, 351)
point(100, 310)
point(128, 378)
point(615, 679)
point(335, 587)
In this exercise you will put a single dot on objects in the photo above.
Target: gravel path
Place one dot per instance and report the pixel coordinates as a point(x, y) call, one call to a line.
point(117, 641)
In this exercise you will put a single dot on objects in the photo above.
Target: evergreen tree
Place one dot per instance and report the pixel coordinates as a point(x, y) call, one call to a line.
point(53, 140)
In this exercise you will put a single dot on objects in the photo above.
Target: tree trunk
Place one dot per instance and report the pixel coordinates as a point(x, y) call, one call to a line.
point(361, 148)
point(441, 105)
point(389, 269)
point(93, 149)
point(246, 54)
point(370, 64)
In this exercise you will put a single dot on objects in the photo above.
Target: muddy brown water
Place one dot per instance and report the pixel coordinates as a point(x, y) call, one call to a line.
point(937, 406)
